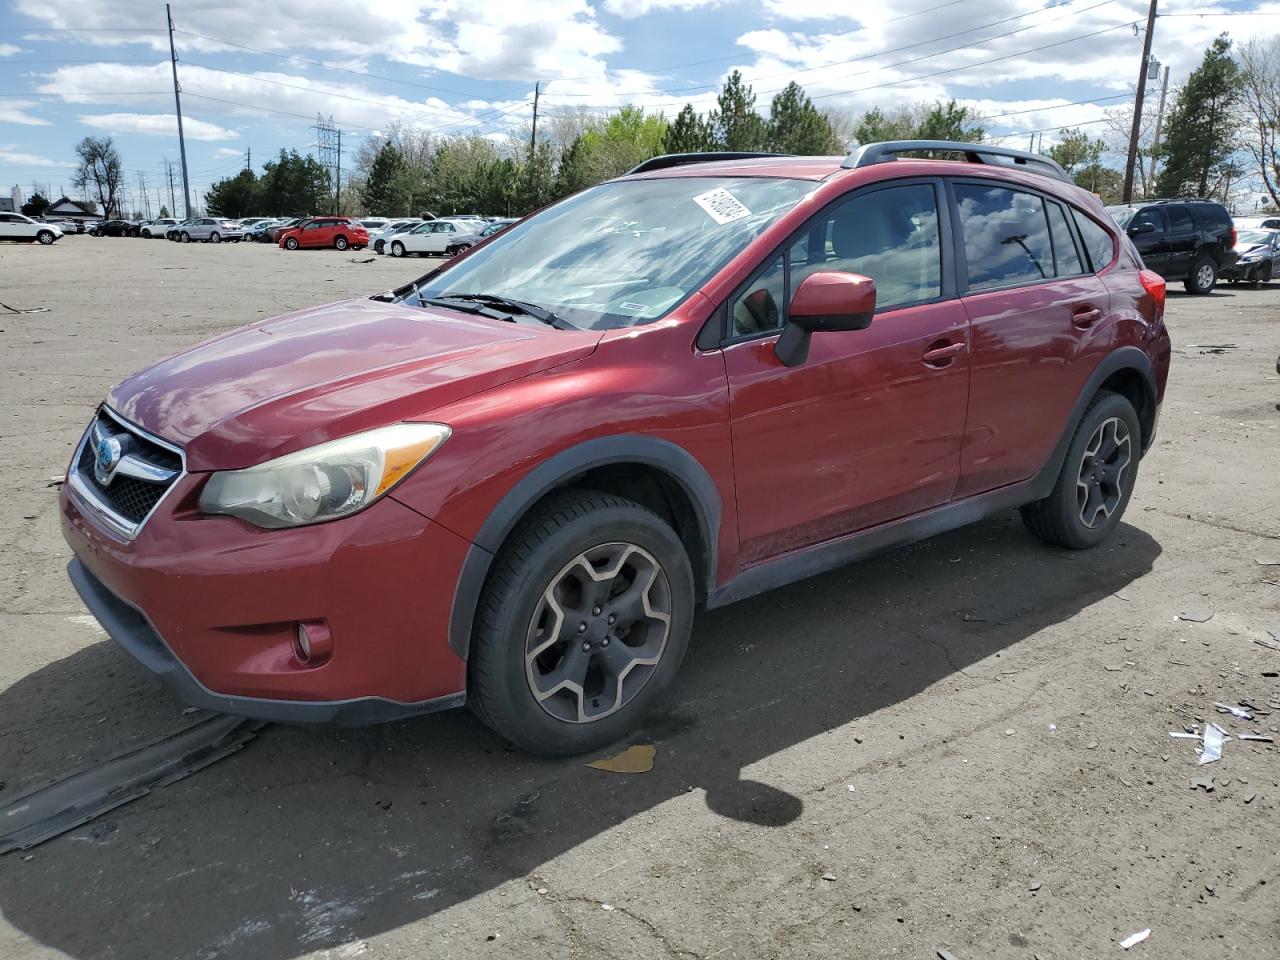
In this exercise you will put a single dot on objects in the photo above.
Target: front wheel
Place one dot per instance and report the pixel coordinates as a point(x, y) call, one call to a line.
point(397, 249)
point(582, 624)
point(215, 237)
point(1204, 275)
point(186, 237)
point(291, 243)
point(45, 237)
point(1096, 479)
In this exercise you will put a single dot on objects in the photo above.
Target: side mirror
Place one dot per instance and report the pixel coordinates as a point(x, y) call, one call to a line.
point(827, 301)
point(1138, 229)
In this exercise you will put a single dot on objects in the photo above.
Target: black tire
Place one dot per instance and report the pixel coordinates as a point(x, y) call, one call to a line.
point(45, 237)
point(1058, 518)
point(340, 242)
point(457, 249)
point(291, 243)
point(1203, 276)
point(378, 246)
point(540, 553)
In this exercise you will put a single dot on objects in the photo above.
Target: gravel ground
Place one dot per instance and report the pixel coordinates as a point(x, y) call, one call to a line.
point(962, 745)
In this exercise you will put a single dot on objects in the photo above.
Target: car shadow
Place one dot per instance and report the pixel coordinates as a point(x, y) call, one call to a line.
point(317, 837)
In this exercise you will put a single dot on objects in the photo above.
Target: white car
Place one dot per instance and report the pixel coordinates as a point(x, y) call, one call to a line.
point(16, 226)
point(432, 237)
point(157, 228)
point(1256, 223)
point(378, 240)
point(211, 229)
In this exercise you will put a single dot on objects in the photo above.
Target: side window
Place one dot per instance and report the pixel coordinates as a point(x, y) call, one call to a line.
point(890, 236)
point(1006, 236)
point(761, 307)
point(1066, 257)
point(1152, 216)
point(1097, 242)
point(313, 225)
point(448, 228)
point(1180, 220)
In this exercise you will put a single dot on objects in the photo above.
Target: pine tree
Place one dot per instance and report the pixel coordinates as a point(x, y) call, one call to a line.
point(796, 126)
point(1202, 126)
point(380, 188)
point(687, 133)
point(734, 124)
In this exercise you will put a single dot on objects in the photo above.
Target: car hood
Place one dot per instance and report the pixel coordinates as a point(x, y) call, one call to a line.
point(1245, 249)
point(322, 373)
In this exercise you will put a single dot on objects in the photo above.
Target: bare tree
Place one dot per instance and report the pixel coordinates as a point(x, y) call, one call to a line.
point(100, 167)
point(563, 125)
point(842, 123)
point(1260, 109)
point(1116, 129)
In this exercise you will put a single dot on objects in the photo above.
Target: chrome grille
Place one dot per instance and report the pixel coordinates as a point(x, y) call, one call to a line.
point(135, 471)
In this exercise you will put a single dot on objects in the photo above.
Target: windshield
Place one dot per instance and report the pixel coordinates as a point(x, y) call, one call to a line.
point(625, 252)
point(1251, 238)
point(1122, 215)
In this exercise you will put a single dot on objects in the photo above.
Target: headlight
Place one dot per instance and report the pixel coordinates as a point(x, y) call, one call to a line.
point(323, 482)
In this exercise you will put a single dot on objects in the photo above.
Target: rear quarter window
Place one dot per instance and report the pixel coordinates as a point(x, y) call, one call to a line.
point(1098, 242)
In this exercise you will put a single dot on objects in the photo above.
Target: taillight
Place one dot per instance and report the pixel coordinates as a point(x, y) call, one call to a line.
point(1234, 237)
point(1154, 284)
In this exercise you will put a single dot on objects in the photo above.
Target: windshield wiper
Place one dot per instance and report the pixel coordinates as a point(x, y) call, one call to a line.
point(504, 303)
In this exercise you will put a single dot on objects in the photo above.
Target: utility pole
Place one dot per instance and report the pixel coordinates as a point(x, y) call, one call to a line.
point(177, 102)
point(1155, 143)
point(1132, 160)
point(248, 159)
point(173, 206)
point(533, 137)
point(337, 181)
point(146, 197)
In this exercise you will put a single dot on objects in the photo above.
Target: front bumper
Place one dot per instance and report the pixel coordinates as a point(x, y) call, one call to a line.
point(211, 606)
point(1244, 270)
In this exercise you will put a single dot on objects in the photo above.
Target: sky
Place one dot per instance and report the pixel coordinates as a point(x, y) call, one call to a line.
point(254, 75)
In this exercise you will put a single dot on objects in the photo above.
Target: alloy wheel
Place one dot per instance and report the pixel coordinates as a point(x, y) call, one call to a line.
point(598, 632)
point(1103, 469)
point(1204, 277)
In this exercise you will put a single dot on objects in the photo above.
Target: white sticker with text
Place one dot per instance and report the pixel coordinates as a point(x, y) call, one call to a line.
point(722, 206)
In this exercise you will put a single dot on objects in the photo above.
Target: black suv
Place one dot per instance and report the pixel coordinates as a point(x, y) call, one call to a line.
point(1189, 240)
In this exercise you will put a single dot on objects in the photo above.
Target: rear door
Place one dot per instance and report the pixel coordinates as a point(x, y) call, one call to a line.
point(867, 429)
point(1036, 316)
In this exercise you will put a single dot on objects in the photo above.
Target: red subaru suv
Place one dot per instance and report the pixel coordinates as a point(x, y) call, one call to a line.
point(337, 232)
point(512, 482)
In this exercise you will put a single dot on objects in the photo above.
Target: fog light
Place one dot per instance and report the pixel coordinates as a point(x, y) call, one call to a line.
point(313, 644)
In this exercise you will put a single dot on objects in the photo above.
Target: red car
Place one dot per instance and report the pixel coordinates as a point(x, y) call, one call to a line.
point(337, 232)
point(513, 482)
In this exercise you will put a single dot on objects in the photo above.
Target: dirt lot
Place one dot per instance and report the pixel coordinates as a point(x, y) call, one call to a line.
point(962, 745)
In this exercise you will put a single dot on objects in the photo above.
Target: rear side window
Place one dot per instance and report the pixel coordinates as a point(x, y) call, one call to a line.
point(1066, 257)
point(1214, 215)
point(1097, 241)
point(1006, 236)
point(1180, 220)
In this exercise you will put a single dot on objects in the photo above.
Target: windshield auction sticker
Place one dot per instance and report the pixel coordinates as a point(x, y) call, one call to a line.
point(722, 206)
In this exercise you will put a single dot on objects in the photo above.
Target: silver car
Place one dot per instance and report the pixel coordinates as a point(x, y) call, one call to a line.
point(379, 239)
point(212, 230)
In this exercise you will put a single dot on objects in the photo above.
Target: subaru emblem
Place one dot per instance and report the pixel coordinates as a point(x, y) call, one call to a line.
point(106, 459)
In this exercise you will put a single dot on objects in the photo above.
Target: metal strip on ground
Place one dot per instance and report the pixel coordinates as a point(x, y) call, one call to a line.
point(66, 804)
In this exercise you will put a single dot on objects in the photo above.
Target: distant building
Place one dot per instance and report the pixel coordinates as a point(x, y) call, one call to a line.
point(6, 206)
point(74, 209)
point(15, 194)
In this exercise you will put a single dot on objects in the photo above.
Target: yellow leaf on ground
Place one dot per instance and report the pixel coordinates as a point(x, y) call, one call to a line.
point(637, 759)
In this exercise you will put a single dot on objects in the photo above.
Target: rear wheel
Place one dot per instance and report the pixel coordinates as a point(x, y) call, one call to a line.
point(397, 249)
point(457, 249)
point(1096, 480)
point(582, 625)
point(1204, 275)
point(340, 243)
point(45, 237)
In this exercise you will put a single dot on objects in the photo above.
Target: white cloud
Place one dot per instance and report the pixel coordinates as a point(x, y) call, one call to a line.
point(15, 111)
point(157, 124)
point(638, 8)
point(223, 152)
point(8, 49)
point(9, 153)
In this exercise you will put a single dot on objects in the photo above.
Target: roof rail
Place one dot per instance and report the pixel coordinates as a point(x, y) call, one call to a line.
point(887, 152)
point(680, 159)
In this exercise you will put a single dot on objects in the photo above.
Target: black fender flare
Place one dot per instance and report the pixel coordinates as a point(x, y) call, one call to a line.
point(663, 455)
point(1123, 358)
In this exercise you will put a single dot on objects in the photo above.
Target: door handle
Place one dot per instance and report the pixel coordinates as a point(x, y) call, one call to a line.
point(1085, 317)
point(940, 353)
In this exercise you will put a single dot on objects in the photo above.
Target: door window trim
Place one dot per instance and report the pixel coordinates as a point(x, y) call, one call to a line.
point(722, 317)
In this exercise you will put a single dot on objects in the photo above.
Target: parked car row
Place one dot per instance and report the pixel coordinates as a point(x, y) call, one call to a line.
point(1196, 241)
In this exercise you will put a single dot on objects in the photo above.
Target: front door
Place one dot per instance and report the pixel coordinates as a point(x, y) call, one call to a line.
point(1154, 244)
point(868, 428)
point(1039, 320)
